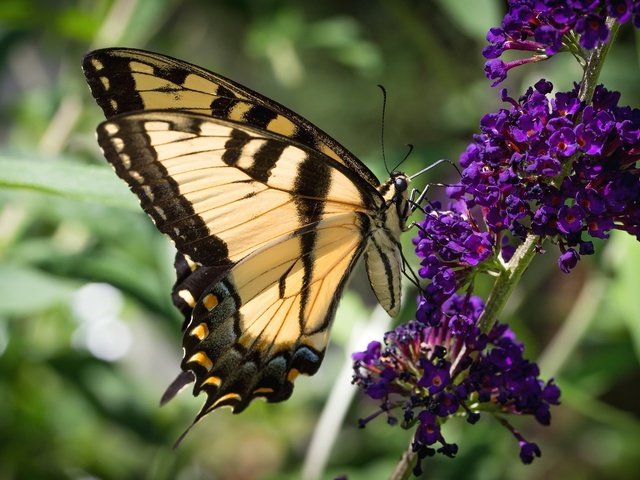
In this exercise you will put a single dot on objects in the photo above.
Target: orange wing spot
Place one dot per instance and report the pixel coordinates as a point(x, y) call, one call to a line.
point(258, 391)
point(200, 332)
point(224, 398)
point(210, 301)
point(201, 358)
point(293, 374)
point(215, 381)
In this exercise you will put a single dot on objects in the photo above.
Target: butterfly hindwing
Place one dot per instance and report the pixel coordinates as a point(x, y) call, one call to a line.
point(252, 332)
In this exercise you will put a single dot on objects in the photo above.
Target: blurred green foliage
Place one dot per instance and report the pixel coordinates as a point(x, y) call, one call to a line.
point(88, 336)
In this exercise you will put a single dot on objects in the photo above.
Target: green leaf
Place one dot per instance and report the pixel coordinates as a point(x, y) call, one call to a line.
point(473, 17)
point(26, 290)
point(66, 178)
point(623, 293)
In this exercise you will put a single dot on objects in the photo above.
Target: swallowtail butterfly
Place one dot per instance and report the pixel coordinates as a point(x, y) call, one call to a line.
point(268, 213)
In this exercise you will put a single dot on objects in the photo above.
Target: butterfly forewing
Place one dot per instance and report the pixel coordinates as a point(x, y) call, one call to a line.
point(126, 80)
point(269, 216)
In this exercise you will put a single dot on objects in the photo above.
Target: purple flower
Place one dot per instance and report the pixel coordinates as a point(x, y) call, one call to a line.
point(568, 260)
point(434, 372)
point(539, 27)
point(428, 431)
point(599, 227)
point(370, 355)
point(477, 247)
point(528, 451)
point(570, 219)
point(549, 36)
point(495, 70)
point(434, 378)
point(563, 142)
point(511, 169)
point(592, 30)
point(450, 244)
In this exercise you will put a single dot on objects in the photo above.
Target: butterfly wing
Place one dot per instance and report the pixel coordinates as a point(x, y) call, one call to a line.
point(269, 215)
point(125, 80)
point(268, 231)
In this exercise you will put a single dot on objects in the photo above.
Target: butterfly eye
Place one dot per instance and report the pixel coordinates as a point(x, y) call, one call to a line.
point(401, 184)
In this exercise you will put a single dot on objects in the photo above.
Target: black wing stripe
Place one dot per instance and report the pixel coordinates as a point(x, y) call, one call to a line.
point(265, 159)
point(309, 212)
point(260, 116)
point(224, 103)
point(233, 147)
point(210, 250)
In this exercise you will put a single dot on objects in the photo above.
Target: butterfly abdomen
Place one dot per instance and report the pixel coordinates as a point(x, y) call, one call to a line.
point(383, 255)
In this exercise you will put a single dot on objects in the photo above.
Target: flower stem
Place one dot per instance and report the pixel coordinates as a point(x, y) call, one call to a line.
point(507, 281)
point(404, 468)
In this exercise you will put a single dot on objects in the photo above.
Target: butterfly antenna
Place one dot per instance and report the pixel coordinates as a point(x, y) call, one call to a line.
point(384, 112)
point(410, 149)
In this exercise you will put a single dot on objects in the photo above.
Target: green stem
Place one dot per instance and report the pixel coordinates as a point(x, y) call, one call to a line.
point(507, 281)
point(404, 468)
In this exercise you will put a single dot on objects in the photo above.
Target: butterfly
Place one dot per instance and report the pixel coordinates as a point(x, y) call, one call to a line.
point(269, 216)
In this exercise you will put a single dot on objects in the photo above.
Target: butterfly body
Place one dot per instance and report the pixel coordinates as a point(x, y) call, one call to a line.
point(268, 213)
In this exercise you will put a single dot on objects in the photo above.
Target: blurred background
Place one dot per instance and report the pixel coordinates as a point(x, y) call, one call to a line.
point(89, 339)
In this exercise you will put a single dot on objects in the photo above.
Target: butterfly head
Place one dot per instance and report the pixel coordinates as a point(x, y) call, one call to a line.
point(400, 182)
point(396, 195)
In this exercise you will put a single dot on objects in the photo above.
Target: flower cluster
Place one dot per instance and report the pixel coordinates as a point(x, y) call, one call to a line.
point(432, 373)
point(562, 168)
point(451, 247)
point(512, 169)
point(543, 27)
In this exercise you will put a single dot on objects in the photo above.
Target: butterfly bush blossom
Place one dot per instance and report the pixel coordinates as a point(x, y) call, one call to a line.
point(512, 169)
point(543, 28)
point(434, 372)
point(560, 168)
point(441, 364)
